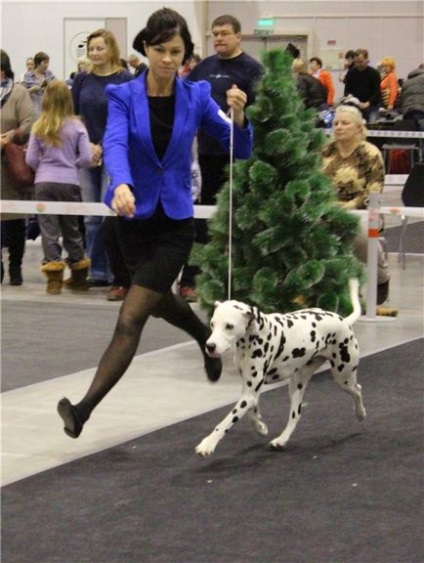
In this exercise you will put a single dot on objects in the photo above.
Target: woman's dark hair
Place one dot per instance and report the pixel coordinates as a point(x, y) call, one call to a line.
point(5, 65)
point(40, 57)
point(162, 26)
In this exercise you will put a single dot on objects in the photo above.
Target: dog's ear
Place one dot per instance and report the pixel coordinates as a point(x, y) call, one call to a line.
point(249, 313)
point(217, 303)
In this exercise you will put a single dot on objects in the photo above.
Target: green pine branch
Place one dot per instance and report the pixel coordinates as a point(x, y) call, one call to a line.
point(291, 244)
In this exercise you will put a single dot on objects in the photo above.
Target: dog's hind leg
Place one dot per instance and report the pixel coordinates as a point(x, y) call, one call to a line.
point(257, 422)
point(297, 386)
point(346, 380)
point(248, 401)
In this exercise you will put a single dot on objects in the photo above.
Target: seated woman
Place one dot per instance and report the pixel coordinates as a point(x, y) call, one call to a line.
point(356, 169)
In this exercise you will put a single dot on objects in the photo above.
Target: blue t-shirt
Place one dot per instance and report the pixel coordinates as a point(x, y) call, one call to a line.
point(221, 74)
point(90, 101)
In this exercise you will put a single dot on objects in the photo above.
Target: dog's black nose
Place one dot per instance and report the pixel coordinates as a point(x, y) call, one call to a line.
point(210, 348)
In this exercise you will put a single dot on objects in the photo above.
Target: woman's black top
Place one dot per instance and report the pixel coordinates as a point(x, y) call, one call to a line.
point(162, 111)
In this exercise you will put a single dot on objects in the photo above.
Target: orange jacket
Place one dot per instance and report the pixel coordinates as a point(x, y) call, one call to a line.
point(389, 82)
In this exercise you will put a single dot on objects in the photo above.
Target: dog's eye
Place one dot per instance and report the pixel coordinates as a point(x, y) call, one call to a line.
point(229, 326)
point(211, 324)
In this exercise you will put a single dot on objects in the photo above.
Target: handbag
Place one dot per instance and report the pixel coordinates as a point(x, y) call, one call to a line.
point(20, 173)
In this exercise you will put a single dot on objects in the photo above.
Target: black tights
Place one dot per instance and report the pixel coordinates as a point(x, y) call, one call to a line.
point(139, 304)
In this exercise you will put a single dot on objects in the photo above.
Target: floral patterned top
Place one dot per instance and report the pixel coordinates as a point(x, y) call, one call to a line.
point(354, 177)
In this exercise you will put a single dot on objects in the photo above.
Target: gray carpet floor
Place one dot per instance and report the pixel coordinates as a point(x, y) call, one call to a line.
point(71, 336)
point(414, 239)
point(342, 491)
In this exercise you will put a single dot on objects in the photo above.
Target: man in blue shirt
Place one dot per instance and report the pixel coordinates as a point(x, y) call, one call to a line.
point(228, 66)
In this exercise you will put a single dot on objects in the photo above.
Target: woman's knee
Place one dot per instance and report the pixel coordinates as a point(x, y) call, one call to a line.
point(129, 323)
point(159, 309)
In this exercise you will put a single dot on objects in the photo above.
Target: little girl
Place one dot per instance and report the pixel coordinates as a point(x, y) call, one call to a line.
point(58, 147)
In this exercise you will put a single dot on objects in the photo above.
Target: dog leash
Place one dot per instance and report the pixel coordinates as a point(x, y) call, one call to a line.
point(230, 206)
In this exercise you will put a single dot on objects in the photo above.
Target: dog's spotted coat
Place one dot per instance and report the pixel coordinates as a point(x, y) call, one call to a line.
point(271, 348)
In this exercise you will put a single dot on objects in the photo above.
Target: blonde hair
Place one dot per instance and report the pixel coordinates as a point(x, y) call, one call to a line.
point(299, 66)
point(112, 45)
point(57, 106)
point(356, 117)
point(85, 62)
point(388, 61)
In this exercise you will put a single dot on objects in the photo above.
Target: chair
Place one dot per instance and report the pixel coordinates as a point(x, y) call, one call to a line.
point(412, 146)
point(412, 196)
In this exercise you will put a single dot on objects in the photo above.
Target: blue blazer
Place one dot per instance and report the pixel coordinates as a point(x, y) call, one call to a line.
point(131, 159)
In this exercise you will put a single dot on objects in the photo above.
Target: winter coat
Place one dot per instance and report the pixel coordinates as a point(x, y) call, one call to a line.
point(17, 117)
point(412, 93)
point(312, 92)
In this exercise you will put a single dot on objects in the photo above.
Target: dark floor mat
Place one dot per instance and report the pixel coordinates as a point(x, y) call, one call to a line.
point(342, 492)
point(414, 239)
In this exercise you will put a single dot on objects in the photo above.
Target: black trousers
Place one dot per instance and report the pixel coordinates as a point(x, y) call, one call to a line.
point(114, 252)
point(13, 236)
point(214, 171)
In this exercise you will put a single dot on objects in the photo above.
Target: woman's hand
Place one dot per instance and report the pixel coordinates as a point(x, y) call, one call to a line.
point(123, 202)
point(5, 140)
point(97, 153)
point(237, 99)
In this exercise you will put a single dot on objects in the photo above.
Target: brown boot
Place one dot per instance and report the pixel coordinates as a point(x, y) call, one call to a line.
point(54, 273)
point(79, 273)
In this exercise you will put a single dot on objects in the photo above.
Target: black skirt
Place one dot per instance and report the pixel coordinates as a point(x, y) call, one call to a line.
point(155, 249)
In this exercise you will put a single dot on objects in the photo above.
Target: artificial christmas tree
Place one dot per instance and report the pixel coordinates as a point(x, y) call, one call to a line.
point(291, 244)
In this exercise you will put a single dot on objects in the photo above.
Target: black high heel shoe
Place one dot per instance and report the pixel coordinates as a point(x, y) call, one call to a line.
point(213, 367)
point(67, 412)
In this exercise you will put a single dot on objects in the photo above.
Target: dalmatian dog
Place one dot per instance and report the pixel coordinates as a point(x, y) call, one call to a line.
point(276, 347)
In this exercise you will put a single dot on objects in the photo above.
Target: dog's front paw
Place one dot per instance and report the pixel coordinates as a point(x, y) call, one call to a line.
point(277, 444)
point(206, 447)
point(260, 427)
point(361, 413)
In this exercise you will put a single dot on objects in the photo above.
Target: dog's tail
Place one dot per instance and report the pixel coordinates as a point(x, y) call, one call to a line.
point(356, 304)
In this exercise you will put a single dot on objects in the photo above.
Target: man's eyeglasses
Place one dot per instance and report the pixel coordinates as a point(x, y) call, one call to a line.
point(216, 34)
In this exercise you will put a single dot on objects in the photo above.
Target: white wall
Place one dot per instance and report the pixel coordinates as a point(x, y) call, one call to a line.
point(28, 27)
point(386, 28)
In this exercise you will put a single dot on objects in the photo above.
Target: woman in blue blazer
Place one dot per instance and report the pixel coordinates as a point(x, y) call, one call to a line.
point(152, 122)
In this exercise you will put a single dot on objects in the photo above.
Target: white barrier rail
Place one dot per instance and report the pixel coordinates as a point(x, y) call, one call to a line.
point(389, 133)
point(395, 179)
point(417, 212)
point(395, 133)
point(369, 220)
point(78, 208)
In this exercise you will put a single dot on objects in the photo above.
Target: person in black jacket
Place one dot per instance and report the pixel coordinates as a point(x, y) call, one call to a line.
point(229, 65)
point(313, 93)
point(363, 82)
point(412, 97)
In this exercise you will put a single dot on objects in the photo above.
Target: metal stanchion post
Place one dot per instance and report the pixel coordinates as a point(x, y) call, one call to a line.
point(372, 228)
point(372, 257)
